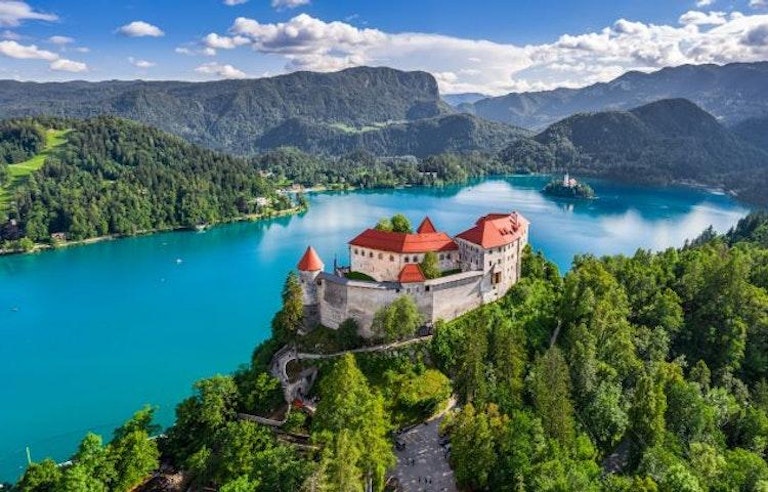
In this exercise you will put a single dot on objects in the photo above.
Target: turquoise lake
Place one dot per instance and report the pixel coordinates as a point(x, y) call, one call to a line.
point(90, 334)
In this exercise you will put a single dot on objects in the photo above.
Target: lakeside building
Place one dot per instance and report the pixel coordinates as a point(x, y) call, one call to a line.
point(479, 266)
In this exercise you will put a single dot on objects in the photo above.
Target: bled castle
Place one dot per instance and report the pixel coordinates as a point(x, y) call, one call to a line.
point(479, 266)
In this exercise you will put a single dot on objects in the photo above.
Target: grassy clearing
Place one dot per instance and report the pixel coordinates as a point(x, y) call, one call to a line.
point(21, 171)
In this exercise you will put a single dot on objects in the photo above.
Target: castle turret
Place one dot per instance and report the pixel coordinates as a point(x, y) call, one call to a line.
point(310, 266)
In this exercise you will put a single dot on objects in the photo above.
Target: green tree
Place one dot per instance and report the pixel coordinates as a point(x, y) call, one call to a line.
point(430, 265)
point(240, 484)
point(201, 416)
point(399, 319)
point(348, 404)
point(132, 451)
point(41, 477)
point(550, 390)
point(400, 223)
point(92, 457)
point(76, 478)
point(646, 414)
point(384, 224)
point(291, 317)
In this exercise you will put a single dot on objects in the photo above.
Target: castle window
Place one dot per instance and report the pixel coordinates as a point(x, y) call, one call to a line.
point(442, 256)
point(415, 259)
point(426, 288)
point(406, 260)
point(356, 252)
point(391, 257)
point(381, 256)
point(371, 254)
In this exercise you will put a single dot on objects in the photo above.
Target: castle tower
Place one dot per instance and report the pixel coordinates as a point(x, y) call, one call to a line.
point(310, 266)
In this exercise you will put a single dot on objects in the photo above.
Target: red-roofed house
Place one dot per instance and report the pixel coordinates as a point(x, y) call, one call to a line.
point(495, 246)
point(383, 254)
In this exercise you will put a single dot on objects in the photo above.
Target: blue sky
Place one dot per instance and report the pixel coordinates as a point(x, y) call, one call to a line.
point(493, 46)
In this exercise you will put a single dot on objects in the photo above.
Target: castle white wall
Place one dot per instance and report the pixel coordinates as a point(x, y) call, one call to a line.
point(385, 266)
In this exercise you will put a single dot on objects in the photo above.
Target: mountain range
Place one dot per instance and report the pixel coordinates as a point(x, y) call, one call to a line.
point(732, 93)
point(667, 141)
point(379, 108)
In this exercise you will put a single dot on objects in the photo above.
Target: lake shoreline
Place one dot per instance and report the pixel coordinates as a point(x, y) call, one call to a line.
point(42, 247)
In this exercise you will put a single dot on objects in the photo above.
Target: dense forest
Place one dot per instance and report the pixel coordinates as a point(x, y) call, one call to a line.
point(114, 176)
point(647, 373)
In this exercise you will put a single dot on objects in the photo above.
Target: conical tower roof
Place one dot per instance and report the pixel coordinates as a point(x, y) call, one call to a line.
point(310, 262)
point(426, 226)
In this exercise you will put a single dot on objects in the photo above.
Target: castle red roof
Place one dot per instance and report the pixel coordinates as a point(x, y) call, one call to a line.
point(426, 226)
point(310, 262)
point(399, 242)
point(493, 230)
point(411, 273)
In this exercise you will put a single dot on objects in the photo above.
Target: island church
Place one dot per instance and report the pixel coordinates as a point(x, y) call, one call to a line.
point(478, 266)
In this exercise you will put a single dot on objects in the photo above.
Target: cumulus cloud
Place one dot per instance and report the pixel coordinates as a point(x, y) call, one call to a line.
point(704, 3)
point(288, 4)
point(137, 29)
point(224, 71)
point(472, 65)
point(12, 49)
point(61, 40)
point(64, 65)
point(13, 13)
point(214, 41)
point(232, 3)
point(141, 63)
point(758, 4)
point(697, 18)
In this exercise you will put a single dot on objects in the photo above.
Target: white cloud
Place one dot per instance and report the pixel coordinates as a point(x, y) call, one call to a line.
point(141, 63)
point(64, 65)
point(12, 49)
point(214, 41)
point(758, 4)
point(138, 29)
point(476, 65)
point(288, 4)
point(60, 40)
point(232, 3)
point(182, 50)
point(12, 13)
point(223, 71)
point(696, 18)
point(83, 49)
point(704, 3)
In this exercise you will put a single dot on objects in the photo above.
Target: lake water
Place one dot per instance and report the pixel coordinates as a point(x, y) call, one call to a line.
point(90, 334)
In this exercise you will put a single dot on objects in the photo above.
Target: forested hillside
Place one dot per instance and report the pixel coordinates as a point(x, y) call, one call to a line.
point(113, 176)
point(754, 131)
point(663, 142)
point(732, 93)
point(421, 138)
point(232, 115)
point(642, 373)
point(655, 378)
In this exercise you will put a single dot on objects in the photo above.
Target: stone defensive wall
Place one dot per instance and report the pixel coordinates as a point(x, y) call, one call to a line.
point(446, 298)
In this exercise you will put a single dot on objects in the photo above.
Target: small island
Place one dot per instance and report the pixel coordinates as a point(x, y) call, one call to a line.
point(569, 188)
